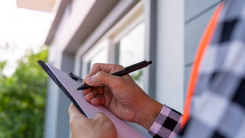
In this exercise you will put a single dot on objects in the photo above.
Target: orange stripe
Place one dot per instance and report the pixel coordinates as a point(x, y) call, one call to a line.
point(208, 34)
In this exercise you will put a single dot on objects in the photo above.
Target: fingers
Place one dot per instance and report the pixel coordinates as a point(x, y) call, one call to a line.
point(74, 113)
point(99, 90)
point(72, 110)
point(84, 92)
point(95, 100)
point(109, 68)
point(92, 92)
point(77, 118)
point(98, 95)
point(103, 78)
point(90, 95)
point(101, 116)
point(98, 100)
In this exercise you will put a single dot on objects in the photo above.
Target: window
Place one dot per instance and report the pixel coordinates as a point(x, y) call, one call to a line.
point(99, 57)
point(123, 44)
point(130, 50)
point(97, 54)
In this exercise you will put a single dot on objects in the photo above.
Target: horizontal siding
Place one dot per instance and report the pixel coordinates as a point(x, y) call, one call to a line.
point(197, 16)
point(193, 34)
point(187, 72)
point(195, 7)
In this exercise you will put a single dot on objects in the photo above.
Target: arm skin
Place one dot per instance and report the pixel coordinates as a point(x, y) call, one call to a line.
point(82, 127)
point(121, 95)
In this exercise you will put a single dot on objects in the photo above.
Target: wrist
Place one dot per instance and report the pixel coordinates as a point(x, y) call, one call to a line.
point(147, 115)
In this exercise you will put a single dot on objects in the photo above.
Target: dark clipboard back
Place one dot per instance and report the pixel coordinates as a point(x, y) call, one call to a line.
point(59, 84)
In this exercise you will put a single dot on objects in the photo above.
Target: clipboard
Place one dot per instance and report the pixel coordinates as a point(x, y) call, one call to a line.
point(68, 82)
point(59, 84)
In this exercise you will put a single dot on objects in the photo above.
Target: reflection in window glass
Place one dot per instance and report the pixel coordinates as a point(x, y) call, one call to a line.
point(130, 50)
point(100, 57)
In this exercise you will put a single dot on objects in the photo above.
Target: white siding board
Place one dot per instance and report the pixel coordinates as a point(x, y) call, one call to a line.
point(170, 53)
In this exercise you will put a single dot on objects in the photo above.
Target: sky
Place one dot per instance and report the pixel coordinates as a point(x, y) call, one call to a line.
point(20, 30)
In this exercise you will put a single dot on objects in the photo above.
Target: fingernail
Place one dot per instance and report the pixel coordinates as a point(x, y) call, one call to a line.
point(89, 80)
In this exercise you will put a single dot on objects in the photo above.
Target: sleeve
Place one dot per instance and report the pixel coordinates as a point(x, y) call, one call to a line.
point(167, 124)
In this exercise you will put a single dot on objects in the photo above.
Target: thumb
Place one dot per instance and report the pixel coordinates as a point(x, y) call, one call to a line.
point(103, 78)
point(74, 112)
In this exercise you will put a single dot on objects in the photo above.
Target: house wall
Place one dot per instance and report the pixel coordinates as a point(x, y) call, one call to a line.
point(197, 15)
point(56, 116)
point(170, 53)
point(173, 31)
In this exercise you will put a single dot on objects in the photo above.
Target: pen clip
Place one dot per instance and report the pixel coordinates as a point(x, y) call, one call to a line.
point(74, 77)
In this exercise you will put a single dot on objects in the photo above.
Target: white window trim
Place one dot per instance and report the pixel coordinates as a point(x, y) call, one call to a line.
point(134, 17)
point(94, 50)
point(133, 24)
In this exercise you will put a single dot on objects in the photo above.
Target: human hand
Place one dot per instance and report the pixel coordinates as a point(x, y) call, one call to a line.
point(82, 127)
point(121, 95)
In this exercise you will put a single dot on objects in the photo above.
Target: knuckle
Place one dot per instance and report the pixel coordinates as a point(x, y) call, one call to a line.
point(118, 67)
point(120, 81)
point(76, 122)
point(101, 100)
point(69, 109)
point(121, 67)
point(95, 65)
point(72, 123)
point(99, 75)
point(99, 115)
point(94, 93)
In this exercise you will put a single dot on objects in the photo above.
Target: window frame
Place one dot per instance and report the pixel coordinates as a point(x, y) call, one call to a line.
point(86, 58)
point(109, 40)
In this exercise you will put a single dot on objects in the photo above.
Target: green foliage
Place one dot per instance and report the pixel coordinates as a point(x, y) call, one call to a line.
point(137, 75)
point(22, 98)
point(2, 64)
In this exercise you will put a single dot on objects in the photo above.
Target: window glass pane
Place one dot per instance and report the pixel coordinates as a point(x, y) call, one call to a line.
point(130, 50)
point(100, 57)
point(88, 66)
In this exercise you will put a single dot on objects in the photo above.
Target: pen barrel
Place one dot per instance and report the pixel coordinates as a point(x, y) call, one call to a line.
point(83, 87)
point(127, 71)
point(124, 72)
point(135, 65)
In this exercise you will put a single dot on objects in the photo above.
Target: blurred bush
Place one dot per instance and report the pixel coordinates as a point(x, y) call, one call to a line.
point(22, 98)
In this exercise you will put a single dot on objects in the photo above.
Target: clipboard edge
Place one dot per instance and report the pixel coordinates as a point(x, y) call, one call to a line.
point(58, 83)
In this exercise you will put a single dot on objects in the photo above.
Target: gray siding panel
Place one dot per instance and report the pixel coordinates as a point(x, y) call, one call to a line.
point(197, 16)
point(63, 127)
point(193, 34)
point(186, 78)
point(195, 7)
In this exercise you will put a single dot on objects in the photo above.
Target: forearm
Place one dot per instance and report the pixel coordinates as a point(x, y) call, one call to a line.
point(148, 113)
point(160, 120)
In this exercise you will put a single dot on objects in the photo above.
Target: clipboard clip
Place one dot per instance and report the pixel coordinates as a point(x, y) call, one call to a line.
point(74, 77)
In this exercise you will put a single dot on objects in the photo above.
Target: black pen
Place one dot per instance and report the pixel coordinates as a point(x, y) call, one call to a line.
point(127, 70)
